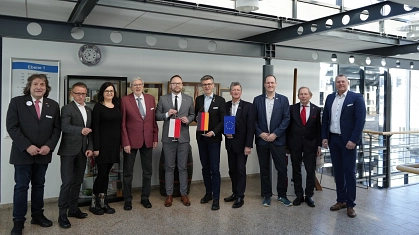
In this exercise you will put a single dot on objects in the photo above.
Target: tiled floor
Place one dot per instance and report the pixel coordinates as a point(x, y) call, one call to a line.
point(393, 211)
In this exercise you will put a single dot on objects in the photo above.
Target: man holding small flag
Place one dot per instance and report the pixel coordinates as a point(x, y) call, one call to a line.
point(239, 128)
point(210, 110)
point(177, 111)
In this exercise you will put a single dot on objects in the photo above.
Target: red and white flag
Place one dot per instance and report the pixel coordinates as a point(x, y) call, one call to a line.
point(174, 128)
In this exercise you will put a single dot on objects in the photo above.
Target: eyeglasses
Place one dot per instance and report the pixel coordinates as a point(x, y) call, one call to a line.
point(137, 85)
point(207, 84)
point(109, 91)
point(176, 83)
point(77, 93)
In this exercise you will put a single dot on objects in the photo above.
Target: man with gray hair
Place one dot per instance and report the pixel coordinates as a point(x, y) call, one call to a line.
point(139, 132)
point(304, 144)
point(239, 145)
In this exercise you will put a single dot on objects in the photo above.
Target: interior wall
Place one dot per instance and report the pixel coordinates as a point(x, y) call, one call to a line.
point(152, 66)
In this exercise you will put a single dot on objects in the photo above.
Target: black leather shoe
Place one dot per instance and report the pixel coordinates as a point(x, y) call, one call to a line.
point(206, 198)
point(215, 205)
point(17, 227)
point(146, 203)
point(238, 203)
point(232, 198)
point(127, 205)
point(77, 213)
point(298, 200)
point(41, 220)
point(310, 202)
point(63, 221)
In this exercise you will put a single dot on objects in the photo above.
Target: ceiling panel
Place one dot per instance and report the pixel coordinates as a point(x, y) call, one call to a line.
point(198, 27)
point(157, 22)
point(13, 8)
point(112, 17)
point(236, 32)
point(50, 9)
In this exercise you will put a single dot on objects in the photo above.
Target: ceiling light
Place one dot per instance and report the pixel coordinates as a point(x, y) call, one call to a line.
point(334, 58)
point(383, 62)
point(247, 5)
point(351, 59)
point(368, 60)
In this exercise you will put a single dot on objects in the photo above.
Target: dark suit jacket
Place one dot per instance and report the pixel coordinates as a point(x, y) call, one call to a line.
point(25, 129)
point(72, 141)
point(352, 118)
point(308, 136)
point(134, 130)
point(216, 116)
point(279, 120)
point(244, 128)
point(186, 110)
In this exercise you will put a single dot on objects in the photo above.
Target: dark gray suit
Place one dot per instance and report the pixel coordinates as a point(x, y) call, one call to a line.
point(178, 148)
point(72, 153)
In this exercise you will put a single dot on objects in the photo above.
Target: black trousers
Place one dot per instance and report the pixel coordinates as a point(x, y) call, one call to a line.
point(309, 159)
point(237, 171)
point(102, 179)
point(72, 175)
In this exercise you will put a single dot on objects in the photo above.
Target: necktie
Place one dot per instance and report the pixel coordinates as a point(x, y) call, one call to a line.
point(176, 102)
point(303, 115)
point(38, 110)
point(140, 107)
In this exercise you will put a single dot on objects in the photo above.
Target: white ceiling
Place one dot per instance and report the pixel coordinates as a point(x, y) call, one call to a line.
point(133, 18)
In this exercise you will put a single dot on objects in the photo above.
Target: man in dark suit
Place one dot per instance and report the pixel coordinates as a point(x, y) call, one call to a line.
point(209, 142)
point(239, 145)
point(176, 106)
point(76, 146)
point(33, 123)
point(272, 119)
point(342, 125)
point(304, 143)
point(139, 132)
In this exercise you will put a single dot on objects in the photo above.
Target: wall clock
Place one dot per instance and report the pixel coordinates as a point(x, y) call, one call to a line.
point(89, 54)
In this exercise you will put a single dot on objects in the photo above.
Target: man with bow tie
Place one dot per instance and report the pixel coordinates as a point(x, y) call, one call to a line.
point(304, 144)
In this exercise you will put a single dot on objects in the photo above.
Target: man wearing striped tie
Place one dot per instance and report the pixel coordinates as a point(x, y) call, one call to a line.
point(177, 111)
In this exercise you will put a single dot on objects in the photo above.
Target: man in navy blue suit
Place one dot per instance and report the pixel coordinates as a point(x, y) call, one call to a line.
point(342, 124)
point(272, 119)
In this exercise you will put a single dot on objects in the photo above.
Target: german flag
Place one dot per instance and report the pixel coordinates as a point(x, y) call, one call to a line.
point(203, 119)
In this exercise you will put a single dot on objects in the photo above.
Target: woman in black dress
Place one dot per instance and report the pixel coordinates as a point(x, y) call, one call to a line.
point(106, 130)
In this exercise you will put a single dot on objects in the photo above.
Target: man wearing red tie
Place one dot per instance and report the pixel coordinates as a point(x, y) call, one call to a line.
point(139, 133)
point(304, 144)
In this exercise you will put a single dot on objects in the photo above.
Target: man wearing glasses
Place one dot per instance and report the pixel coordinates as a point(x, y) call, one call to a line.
point(139, 133)
point(171, 108)
point(209, 142)
point(76, 146)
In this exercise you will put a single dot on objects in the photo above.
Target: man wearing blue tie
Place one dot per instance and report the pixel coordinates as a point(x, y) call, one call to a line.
point(342, 124)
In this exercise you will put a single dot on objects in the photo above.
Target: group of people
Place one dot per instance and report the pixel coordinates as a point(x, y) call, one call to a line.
point(34, 124)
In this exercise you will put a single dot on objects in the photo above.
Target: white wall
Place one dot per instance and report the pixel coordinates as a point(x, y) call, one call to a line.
point(152, 66)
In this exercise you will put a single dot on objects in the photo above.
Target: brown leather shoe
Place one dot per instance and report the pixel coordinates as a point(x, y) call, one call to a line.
point(185, 200)
point(169, 200)
point(351, 212)
point(338, 206)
